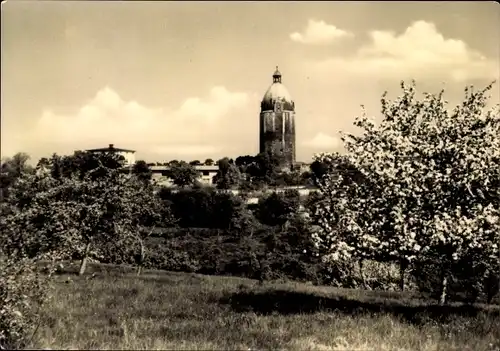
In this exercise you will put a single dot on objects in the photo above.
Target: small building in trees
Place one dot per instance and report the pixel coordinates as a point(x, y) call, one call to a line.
point(277, 122)
point(206, 174)
point(128, 155)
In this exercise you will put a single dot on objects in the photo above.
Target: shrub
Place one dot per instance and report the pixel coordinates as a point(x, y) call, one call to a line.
point(23, 289)
point(204, 208)
point(276, 208)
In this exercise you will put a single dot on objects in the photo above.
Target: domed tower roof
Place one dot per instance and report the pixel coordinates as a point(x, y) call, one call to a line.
point(277, 92)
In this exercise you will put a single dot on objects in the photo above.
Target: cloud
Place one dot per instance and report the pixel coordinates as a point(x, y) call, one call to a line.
point(419, 51)
point(194, 128)
point(323, 141)
point(319, 33)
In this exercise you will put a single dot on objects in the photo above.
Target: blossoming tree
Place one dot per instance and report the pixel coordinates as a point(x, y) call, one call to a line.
point(427, 181)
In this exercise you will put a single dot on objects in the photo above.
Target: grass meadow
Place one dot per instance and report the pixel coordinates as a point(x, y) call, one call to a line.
point(111, 308)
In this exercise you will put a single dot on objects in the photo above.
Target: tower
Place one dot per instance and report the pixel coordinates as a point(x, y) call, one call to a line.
point(277, 122)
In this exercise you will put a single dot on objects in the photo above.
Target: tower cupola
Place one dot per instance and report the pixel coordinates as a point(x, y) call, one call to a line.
point(277, 92)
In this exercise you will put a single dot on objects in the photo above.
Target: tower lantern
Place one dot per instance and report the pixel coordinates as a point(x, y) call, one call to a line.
point(277, 76)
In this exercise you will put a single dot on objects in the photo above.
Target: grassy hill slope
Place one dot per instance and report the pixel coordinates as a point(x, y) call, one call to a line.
point(111, 308)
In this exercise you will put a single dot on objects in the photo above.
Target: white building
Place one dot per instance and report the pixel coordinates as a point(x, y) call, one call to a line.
point(207, 173)
point(128, 155)
point(160, 174)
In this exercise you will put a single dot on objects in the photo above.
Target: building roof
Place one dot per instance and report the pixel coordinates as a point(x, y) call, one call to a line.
point(207, 168)
point(111, 147)
point(276, 92)
point(213, 168)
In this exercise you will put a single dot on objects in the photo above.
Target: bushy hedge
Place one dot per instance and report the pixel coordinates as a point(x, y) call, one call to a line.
point(270, 253)
point(275, 208)
point(278, 246)
point(203, 207)
point(208, 208)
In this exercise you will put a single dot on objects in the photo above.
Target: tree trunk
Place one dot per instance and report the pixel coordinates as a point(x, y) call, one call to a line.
point(403, 264)
point(83, 264)
point(362, 273)
point(444, 284)
point(141, 257)
point(491, 284)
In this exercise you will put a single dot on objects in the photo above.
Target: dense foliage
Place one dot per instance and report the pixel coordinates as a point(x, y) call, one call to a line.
point(72, 207)
point(228, 176)
point(183, 174)
point(10, 170)
point(204, 207)
point(23, 289)
point(276, 208)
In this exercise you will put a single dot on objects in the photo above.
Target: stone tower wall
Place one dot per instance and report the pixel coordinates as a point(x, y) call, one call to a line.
point(290, 138)
point(277, 134)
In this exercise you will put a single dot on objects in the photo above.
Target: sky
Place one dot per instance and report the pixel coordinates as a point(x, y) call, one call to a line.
point(184, 80)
